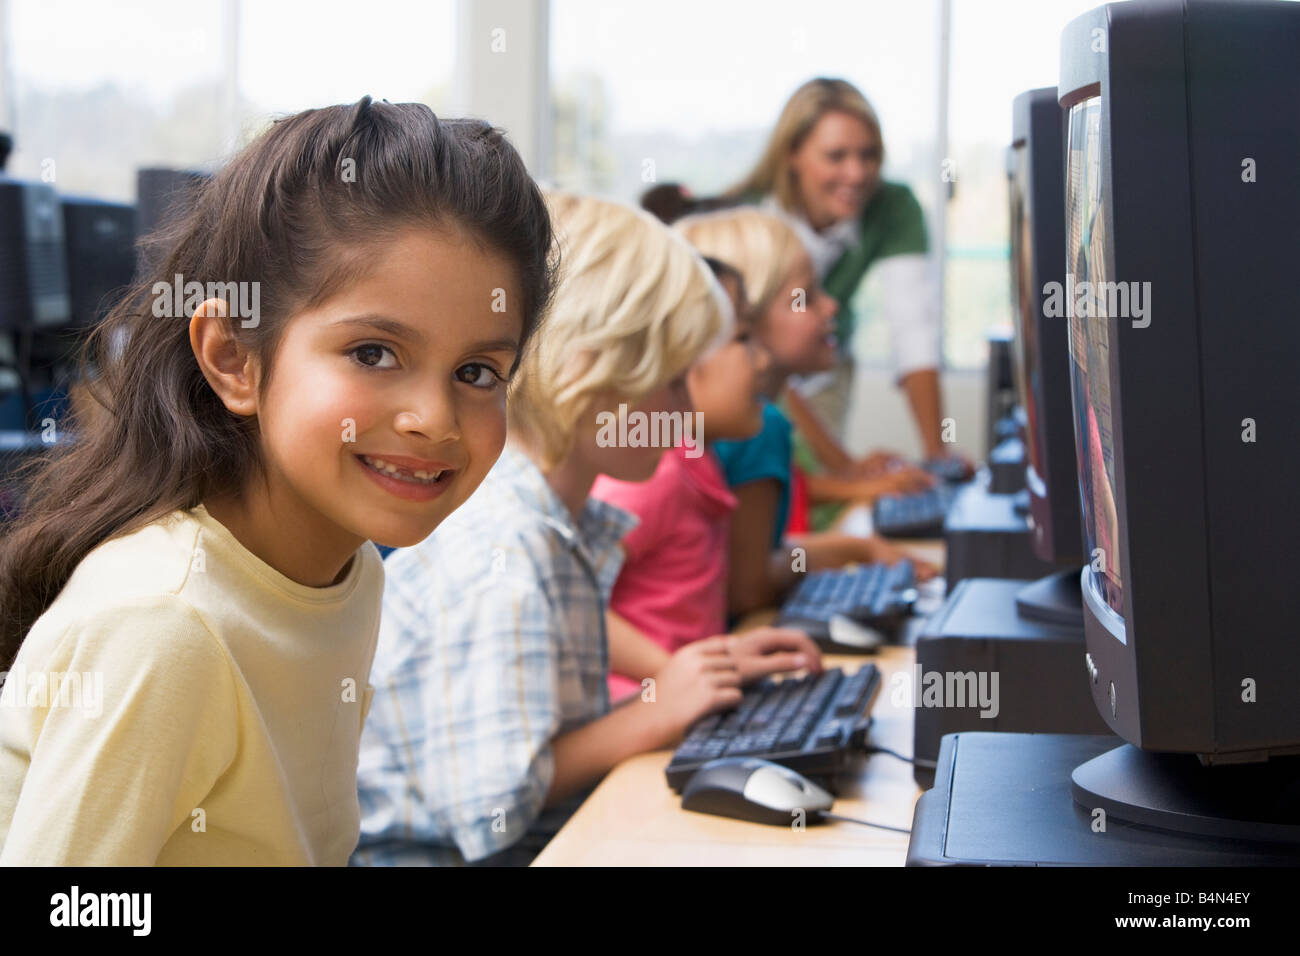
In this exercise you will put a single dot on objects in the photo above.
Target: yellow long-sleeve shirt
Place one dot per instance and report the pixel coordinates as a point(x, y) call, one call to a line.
point(183, 703)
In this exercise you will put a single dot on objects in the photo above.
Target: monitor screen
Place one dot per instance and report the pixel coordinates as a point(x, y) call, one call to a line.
point(1026, 304)
point(1086, 242)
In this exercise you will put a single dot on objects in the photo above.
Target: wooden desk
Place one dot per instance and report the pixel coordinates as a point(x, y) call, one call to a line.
point(633, 819)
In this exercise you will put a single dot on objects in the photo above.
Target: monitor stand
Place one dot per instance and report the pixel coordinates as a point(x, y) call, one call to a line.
point(1251, 801)
point(1055, 599)
point(1006, 800)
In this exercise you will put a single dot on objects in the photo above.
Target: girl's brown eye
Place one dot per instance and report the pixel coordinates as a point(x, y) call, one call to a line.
point(478, 375)
point(371, 355)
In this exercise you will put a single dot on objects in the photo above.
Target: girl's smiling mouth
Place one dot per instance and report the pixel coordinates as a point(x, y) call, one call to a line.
point(409, 478)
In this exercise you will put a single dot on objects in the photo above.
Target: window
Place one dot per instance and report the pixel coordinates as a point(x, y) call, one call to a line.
point(998, 51)
point(101, 89)
point(683, 91)
point(336, 51)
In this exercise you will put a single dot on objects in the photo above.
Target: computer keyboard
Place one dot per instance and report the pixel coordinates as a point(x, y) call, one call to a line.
point(917, 515)
point(877, 596)
point(809, 724)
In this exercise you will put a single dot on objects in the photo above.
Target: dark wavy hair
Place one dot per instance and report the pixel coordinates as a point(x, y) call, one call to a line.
point(297, 211)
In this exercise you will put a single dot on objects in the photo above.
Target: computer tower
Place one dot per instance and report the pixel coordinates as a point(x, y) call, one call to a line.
point(100, 241)
point(1004, 800)
point(1000, 388)
point(162, 195)
point(988, 536)
point(1007, 467)
point(1041, 680)
point(33, 268)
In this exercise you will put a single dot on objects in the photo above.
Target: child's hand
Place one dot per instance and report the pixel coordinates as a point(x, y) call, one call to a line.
point(899, 482)
point(876, 464)
point(698, 679)
point(878, 549)
point(774, 650)
point(967, 469)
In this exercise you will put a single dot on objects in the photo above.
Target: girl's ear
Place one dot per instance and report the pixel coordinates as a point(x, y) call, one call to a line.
point(228, 364)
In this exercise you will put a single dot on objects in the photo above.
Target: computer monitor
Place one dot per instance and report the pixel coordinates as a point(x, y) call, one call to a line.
point(1035, 166)
point(33, 272)
point(100, 241)
point(1182, 212)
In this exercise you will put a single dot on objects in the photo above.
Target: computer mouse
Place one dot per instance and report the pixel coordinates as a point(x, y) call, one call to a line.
point(850, 633)
point(930, 596)
point(749, 788)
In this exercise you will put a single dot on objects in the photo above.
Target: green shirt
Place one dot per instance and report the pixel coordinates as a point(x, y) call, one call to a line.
point(892, 224)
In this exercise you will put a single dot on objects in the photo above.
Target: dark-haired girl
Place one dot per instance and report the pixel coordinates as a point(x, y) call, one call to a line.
point(191, 592)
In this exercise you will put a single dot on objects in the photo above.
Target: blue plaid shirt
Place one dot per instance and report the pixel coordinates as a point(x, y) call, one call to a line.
point(491, 644)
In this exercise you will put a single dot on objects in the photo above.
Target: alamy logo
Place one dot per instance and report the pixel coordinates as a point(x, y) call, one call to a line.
point(179, 299)
point(1088, 300)
point(102, 909)
point(66, 689)
point(946, 689)
point(638, 429)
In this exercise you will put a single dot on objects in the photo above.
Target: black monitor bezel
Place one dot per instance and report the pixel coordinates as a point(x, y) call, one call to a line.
point(1157, 672)
point(1038, 127)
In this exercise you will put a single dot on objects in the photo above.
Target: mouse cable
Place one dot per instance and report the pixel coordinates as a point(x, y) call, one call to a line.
point(918, 761)
point(826, 815)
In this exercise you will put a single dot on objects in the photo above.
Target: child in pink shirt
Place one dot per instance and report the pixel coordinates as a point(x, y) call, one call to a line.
point(672, 588)
point(673, 584)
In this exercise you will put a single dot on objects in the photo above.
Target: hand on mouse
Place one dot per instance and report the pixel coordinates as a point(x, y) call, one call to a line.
point(773, 650)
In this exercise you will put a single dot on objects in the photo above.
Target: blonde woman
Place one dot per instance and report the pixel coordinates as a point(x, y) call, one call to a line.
point(491, 713)
point(821, 169)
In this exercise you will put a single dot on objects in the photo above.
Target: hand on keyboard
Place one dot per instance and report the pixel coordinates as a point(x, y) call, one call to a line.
point(950, 467)
point(901, 481)
point(698, 679)
point(809, 723)
point(875, 464)
point(886, 553)
point(774, 650)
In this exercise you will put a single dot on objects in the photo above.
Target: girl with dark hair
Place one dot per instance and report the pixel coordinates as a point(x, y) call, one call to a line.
point(191, 591)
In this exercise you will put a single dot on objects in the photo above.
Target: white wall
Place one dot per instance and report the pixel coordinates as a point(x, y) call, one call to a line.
point(881, 418)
